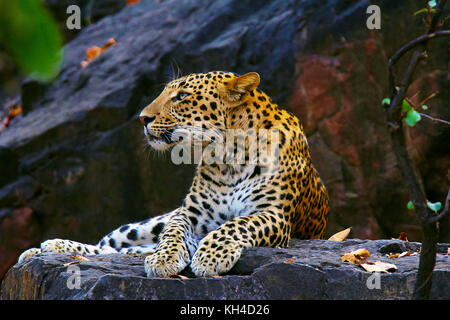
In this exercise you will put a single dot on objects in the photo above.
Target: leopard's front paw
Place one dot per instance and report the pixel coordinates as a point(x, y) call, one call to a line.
point(164, 263)
point(28, 254)
point(214, 258)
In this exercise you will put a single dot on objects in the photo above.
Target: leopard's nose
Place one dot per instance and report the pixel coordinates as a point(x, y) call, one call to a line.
point(145, 120)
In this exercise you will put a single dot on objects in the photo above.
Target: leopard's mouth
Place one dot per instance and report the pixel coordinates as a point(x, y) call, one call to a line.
point(160, 142)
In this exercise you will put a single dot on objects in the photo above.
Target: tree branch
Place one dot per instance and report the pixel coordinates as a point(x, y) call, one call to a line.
point(408, 46)
point(428, 219)
point(423, 40)
point(434, 119)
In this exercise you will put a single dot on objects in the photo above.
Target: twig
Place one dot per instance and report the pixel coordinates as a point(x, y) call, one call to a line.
point(432, 28)
point(434, 119)
point(431, 96)
point(395, 107)
point(408, 46)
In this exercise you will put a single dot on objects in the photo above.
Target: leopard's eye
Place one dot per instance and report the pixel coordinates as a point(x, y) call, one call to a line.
point(180, 96)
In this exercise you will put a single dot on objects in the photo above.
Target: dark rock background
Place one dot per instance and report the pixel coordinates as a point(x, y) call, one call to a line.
point(75, 165)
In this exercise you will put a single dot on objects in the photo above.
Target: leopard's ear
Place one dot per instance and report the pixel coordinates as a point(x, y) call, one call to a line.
point(236, 90)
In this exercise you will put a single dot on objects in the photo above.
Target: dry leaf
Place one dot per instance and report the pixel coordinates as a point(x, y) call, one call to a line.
point(403, 236)
point(356, 257)
point(178, 276)
point(94, 51)
point(448, 250)
point(403, 254)
point(291, 260)
point(131, 2)
point(341, 235)
point(13, 112)
point(80, 258)
point(70, 263)
point(378, 266)
point(216, 277)
point(363, 253)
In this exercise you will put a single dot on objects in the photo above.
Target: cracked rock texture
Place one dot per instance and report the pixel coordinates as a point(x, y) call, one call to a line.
point(308, 269)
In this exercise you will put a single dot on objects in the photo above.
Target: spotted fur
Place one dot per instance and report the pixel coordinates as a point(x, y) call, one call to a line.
point(229, 206)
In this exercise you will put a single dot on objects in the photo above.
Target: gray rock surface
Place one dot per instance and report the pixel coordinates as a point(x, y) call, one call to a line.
point(308, 269)
point(75, 165)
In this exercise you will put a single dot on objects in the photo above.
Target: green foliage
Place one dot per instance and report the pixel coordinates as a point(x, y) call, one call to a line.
point(412, 117)
point(31, 36)
point(386, 101)
point(406, 107)
point(436, 206)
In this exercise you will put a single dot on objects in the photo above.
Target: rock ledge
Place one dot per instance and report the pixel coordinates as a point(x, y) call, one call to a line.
point(308, 269)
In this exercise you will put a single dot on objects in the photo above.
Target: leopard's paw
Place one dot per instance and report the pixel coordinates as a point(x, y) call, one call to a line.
point(164, 263)
point(27, 254)
point(213, 258)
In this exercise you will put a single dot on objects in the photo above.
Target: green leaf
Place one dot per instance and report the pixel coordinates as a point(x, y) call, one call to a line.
point(30, 35)
point(412, 117)
point(410, 205)
point(386, 101)
point(406, 106)
point(434, 206)
point(425, 107)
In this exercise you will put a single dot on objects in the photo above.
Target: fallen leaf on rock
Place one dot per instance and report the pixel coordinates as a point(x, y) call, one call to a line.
point(291, 260)
point(94, 51)
point(130, 2)
point(216, 277)
point(70, 263)
point(178, 276)
point(448, 250)
point(80, 258)
point(14, 111)
point(357, 257)
point(341, 235)
point(403, 254)
point(378, 266)
point(403, 236)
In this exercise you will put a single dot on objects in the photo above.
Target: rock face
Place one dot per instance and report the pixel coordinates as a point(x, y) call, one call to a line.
point(308, 269)
point(75, 164)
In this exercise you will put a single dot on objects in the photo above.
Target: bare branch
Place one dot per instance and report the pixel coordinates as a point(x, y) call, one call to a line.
point(434, 119)
point(411, 44)
point(423, 41)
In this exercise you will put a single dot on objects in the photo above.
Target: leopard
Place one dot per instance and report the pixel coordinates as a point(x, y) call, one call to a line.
point(249, 201)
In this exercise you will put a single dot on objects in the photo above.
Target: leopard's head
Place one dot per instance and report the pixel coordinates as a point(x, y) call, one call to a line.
point(196, 107)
